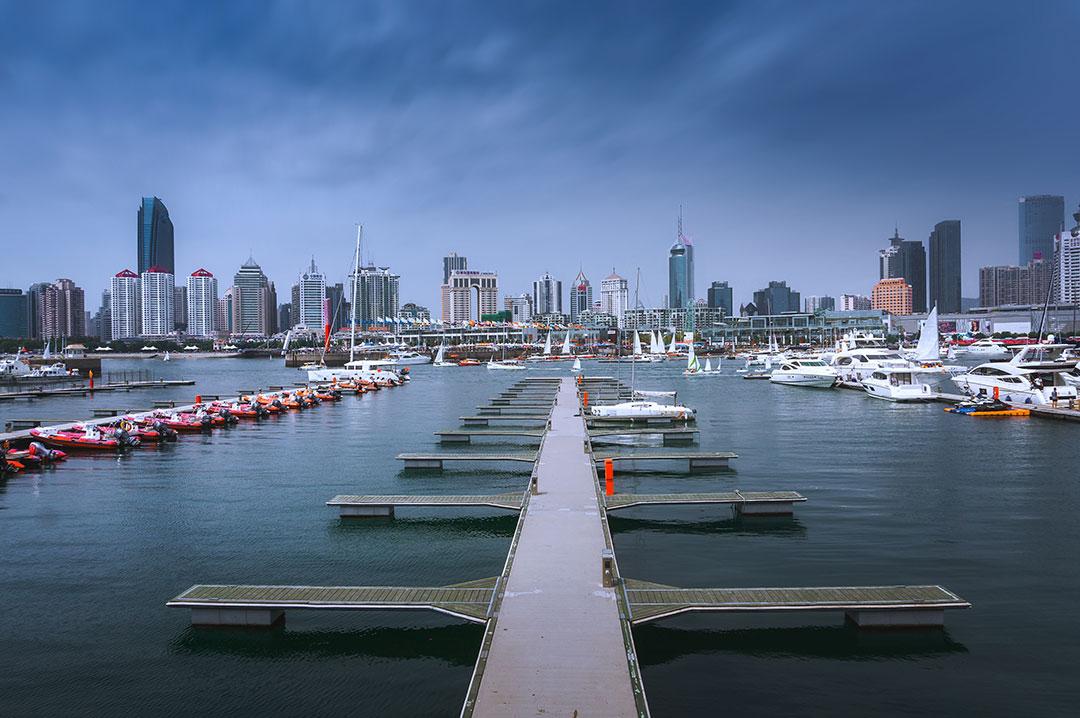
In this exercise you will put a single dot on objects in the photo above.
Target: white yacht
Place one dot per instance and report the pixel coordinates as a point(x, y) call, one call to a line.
point(986, 347)
point(1016, 384)
point(505, 365)
point(641, 409)
point(407, 358)
point(854, 365)
point(899, 384)
point(11, 368)
point(57, 369)
point(804, 372)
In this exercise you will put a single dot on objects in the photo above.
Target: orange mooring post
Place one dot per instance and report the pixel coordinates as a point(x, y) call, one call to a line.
point(91, 380)
point(997, 393)
point(585, 399)
point(609, 477)
point(198, 398)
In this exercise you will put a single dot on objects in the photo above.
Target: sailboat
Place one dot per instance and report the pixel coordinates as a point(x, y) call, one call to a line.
point(440, 359)
point(927, 354)
point(708, 367)
point(166, 357)
point(671, 349)
point(547, 345)
point(693, 367)
point(505, 364)
point(566, 343)
point(637, 345)
point(577, 365)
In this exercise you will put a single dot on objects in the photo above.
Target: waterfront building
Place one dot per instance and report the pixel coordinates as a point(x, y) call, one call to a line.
point(1061, 319)
point(125, 305)
point(547, 295)
point(60, 309)
point(905, 259)
point(823, 303)
point(1067, 262)
point(552, 319)
point(681, 270)
point(14, 314)
point(34, 303)
point(777, 298)
point(580, 296)
point(337, 307)
point(155, 236)
point(311, 296)
point(180, 313)
point(854, 302)
point(156, 304)
point(1040, 218)
point(103, 318)
point(459, 292)
point(520, 308)
point(1009, 285)
point(285, 315)
point(824, 327)
point(223, 313)
point(415, 313)
point(614, 296)
point(253, 302)
point(376, 297)
point(945, 266)
point(720, 297)
point(700, 316)
point(202, 300)
point(595, 319)
point(892, 295)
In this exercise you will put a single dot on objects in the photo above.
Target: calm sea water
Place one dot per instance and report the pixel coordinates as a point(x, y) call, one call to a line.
point(897, 494)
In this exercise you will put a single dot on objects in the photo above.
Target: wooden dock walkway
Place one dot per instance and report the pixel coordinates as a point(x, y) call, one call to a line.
point(519, 418)
point(383, 506)
point(465, 436)
point(868, 606)
point(266, 605)
point(696, 460)
point(435, 461)
point(681, 435)
point(746, 503)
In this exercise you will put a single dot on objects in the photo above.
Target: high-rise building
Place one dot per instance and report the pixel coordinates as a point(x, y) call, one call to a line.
point(520, 308)
point(453, 263)
point(337, 307)
point(547, 295)
point(1005, 285)
point(681, 271)
point(854, 303)
point(223, 313)
point(202, 300)
point(60, 309)
point(311, 312)
point(155, 236)
point(125, 302)
point(892, 295)
point(254, 306)
point(14, 314)
point(905, 259)
point(580, 296)
point(824, 303)
point(376, 299)
point(285, 315)
point(103, 318)
point(614, 296)
point(180, 313)
point(1067, 261)
point(158, 295)
point(777, 298)
point(721, 297)
point(457, 295)
point(415, 313)
point(945, 266)
point(1040, 218)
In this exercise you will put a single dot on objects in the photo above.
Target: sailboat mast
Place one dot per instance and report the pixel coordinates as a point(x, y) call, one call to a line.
point(355, 279)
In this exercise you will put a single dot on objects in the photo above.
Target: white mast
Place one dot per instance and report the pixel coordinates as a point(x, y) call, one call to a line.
point(355, 278)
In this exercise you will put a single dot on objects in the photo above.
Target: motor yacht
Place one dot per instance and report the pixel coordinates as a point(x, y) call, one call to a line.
point(1016, 384)
point(852, 366)
point(378, 371)
point(57, 369)
point(408, 358)
point(804, 372)
point(12, 368)
point(986, 347)
point(642, 410)
point(899, 384)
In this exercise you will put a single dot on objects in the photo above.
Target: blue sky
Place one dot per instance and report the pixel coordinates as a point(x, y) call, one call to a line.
point(530, 136)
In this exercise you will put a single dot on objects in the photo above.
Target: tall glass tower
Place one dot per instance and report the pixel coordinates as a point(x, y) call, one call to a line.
point(1041, 217)
point(681, 271)
point(155, 236)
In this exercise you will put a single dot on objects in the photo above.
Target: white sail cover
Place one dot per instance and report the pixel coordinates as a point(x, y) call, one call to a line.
point(637, 344)
point(642, 394)
point(566, 343)
point(927, 348)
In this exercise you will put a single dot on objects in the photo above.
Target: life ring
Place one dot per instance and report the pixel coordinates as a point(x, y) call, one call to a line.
point(126, 425)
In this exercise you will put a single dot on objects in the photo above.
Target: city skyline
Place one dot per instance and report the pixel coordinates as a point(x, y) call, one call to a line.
point(351, 113)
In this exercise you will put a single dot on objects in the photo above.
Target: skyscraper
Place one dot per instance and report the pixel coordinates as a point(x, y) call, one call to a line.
point(125, 298)
point(1067, 260)
point(892, 295)
point(681, 271)
point(823, 303)
point(103, 318)
point(614, 296)
point(180, 315)
point(1005, 285)
point(458, 295)
point(377, 298)
point(14, 314)
point(854, 302)
point(520, 307)
point(312, 295)
point(777, 298)
point(1041, 217)
point(945, 266)
point(905, 259)
point(547, 295)
point(60, 309)
point(580, 296)
point(155, 236)
point(158, 294)
point(452, 263)
point(251, 298)
point(202, 299)
point(720, 296)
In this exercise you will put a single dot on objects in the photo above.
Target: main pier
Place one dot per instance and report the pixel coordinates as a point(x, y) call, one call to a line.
point(558, 619)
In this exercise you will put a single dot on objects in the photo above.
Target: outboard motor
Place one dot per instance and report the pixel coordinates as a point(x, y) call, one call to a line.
point(229, 417)
point(278, 404)
point(124, 439)
point(164, 433)
point(261, 412)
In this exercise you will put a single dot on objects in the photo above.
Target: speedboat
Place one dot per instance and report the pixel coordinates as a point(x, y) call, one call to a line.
point(639, 409)
point(1017, 384)
point(898, 384)
point(406, 358)
point(35, 455)
point(987, 347)
point(804, 372)
point(376, 371)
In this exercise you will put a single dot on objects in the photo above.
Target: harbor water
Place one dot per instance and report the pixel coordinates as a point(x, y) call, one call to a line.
point(897, 494)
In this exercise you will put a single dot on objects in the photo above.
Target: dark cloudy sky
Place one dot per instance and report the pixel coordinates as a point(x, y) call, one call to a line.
point(531, 136)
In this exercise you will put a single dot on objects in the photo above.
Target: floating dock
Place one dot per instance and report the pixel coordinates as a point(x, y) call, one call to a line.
point(465, 436)
point(745, 503)
point(383, 506)
point(436, 461)
point(696, 460)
